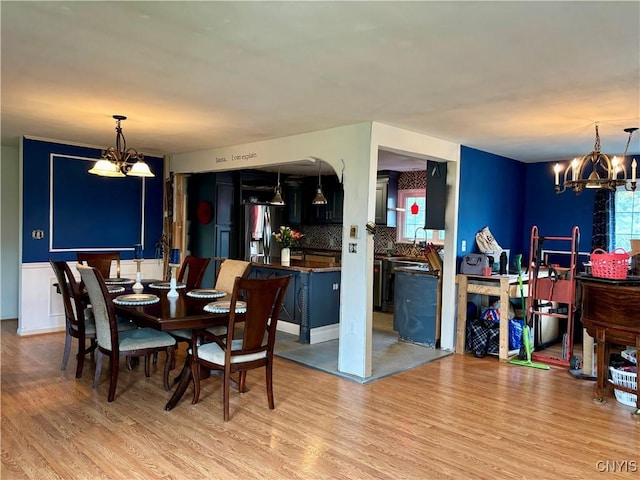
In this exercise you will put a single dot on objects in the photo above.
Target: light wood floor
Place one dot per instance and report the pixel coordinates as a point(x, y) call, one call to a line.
point(457, 418)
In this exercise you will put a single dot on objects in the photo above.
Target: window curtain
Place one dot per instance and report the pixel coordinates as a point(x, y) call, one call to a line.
point(603, 220)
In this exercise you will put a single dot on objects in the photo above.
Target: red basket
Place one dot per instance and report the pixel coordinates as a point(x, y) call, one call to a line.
point(609, 265)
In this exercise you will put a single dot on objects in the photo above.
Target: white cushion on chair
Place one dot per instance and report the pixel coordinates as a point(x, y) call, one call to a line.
point(144, 338)
point(184, 333)
point(219, 330)
point(211, 352)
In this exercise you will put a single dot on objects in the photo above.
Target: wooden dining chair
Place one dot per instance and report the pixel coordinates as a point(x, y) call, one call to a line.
point(264, 298)
point(78, 316)
point(193, 268)
point(229, 271)
point(79, 319)
point(141, 342)
point(102, 261)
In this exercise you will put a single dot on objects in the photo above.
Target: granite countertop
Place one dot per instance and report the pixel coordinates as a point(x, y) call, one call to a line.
point(300, 266)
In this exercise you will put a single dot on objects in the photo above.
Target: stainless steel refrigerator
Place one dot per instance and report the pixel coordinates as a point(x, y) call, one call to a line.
point(260, 222)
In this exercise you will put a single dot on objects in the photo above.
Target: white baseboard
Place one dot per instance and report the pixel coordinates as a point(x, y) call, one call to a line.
point(39, 331)
point(288, 327)
point(323, 334)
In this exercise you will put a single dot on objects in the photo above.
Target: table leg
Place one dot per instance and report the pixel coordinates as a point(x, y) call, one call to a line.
point(185, 379)
point(503, 351)
point(600, 368)
point(461, 333)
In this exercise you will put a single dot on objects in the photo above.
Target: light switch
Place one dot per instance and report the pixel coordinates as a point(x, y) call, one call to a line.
point(463, 246)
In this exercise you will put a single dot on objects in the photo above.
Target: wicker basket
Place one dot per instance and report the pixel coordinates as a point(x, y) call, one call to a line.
point(612, 265)
point(627, 379)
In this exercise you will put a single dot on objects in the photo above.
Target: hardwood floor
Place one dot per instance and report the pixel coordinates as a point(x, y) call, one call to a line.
point(459, 417)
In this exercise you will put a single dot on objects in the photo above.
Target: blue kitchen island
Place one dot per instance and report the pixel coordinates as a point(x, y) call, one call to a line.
point(311, 307)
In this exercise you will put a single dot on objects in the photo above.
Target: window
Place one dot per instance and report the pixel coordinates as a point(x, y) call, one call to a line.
point(410, 225)
point(627, 218)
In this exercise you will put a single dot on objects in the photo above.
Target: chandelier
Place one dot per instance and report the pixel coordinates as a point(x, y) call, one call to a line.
point(115, 160)
point(597, 170)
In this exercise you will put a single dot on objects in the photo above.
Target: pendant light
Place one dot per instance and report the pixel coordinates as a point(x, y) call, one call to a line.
point(277, 197)
point(319, 199)
point(597, 170)
point(120, 161)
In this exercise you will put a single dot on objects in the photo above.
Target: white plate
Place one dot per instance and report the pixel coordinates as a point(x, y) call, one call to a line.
point(223, 307)
point(136, 299)
point(166, 285)
point(118, 281)
point(115, 288)
point(205, 293)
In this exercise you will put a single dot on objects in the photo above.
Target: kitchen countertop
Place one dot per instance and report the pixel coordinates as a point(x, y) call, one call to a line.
point(300, 266)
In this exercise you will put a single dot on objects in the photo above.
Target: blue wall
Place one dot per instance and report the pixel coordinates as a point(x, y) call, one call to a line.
point(491, 194)
point(89, 212)
point(555, 214)
point(510, 197)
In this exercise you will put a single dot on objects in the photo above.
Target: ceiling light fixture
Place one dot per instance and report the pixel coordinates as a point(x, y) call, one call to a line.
point(277, 197)
point(596, 170)
point(115, 160)
point(319, 199)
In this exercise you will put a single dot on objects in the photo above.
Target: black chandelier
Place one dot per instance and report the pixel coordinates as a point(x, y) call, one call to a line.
point(597, 170)
point(115, 161)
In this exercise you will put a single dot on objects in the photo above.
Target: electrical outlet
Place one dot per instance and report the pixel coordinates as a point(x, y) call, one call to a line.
point(353, 248)
point(37, 234)
point(463, 246)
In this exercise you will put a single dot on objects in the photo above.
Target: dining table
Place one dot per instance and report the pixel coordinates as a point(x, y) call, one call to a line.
point(181, 312)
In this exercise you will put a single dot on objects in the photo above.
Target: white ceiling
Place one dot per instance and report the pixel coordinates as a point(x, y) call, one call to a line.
point(526, 80)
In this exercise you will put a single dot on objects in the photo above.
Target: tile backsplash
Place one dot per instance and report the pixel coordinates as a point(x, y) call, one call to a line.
point(330, 236)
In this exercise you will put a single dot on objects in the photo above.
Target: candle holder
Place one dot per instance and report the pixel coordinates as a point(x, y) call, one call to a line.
point(173, 293)
point(137, 287)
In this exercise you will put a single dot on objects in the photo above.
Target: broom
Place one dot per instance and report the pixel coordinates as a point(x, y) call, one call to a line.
point(526, 338)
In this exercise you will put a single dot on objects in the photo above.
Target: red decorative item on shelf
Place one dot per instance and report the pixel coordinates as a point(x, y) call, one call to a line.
point(205, 212)
point(415, 208)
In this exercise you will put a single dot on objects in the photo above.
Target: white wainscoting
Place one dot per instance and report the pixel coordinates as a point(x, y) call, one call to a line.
point(41, 308)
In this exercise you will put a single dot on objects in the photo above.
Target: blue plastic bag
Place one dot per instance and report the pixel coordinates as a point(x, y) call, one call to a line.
point(516, 326)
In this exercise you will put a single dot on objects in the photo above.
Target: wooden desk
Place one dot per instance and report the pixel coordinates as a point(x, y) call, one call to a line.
point(611, 314)
point(503, 286)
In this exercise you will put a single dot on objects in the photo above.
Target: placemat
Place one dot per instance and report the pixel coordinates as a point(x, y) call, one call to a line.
point(136, 299)
point(205, 293)
point(223, 307)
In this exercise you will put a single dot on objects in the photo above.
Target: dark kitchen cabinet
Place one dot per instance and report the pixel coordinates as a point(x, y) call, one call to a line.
point(257, 187)
point(293, 203)
point(332, 212)
point(213, 236)
point(387, 198)
point(436, 195)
